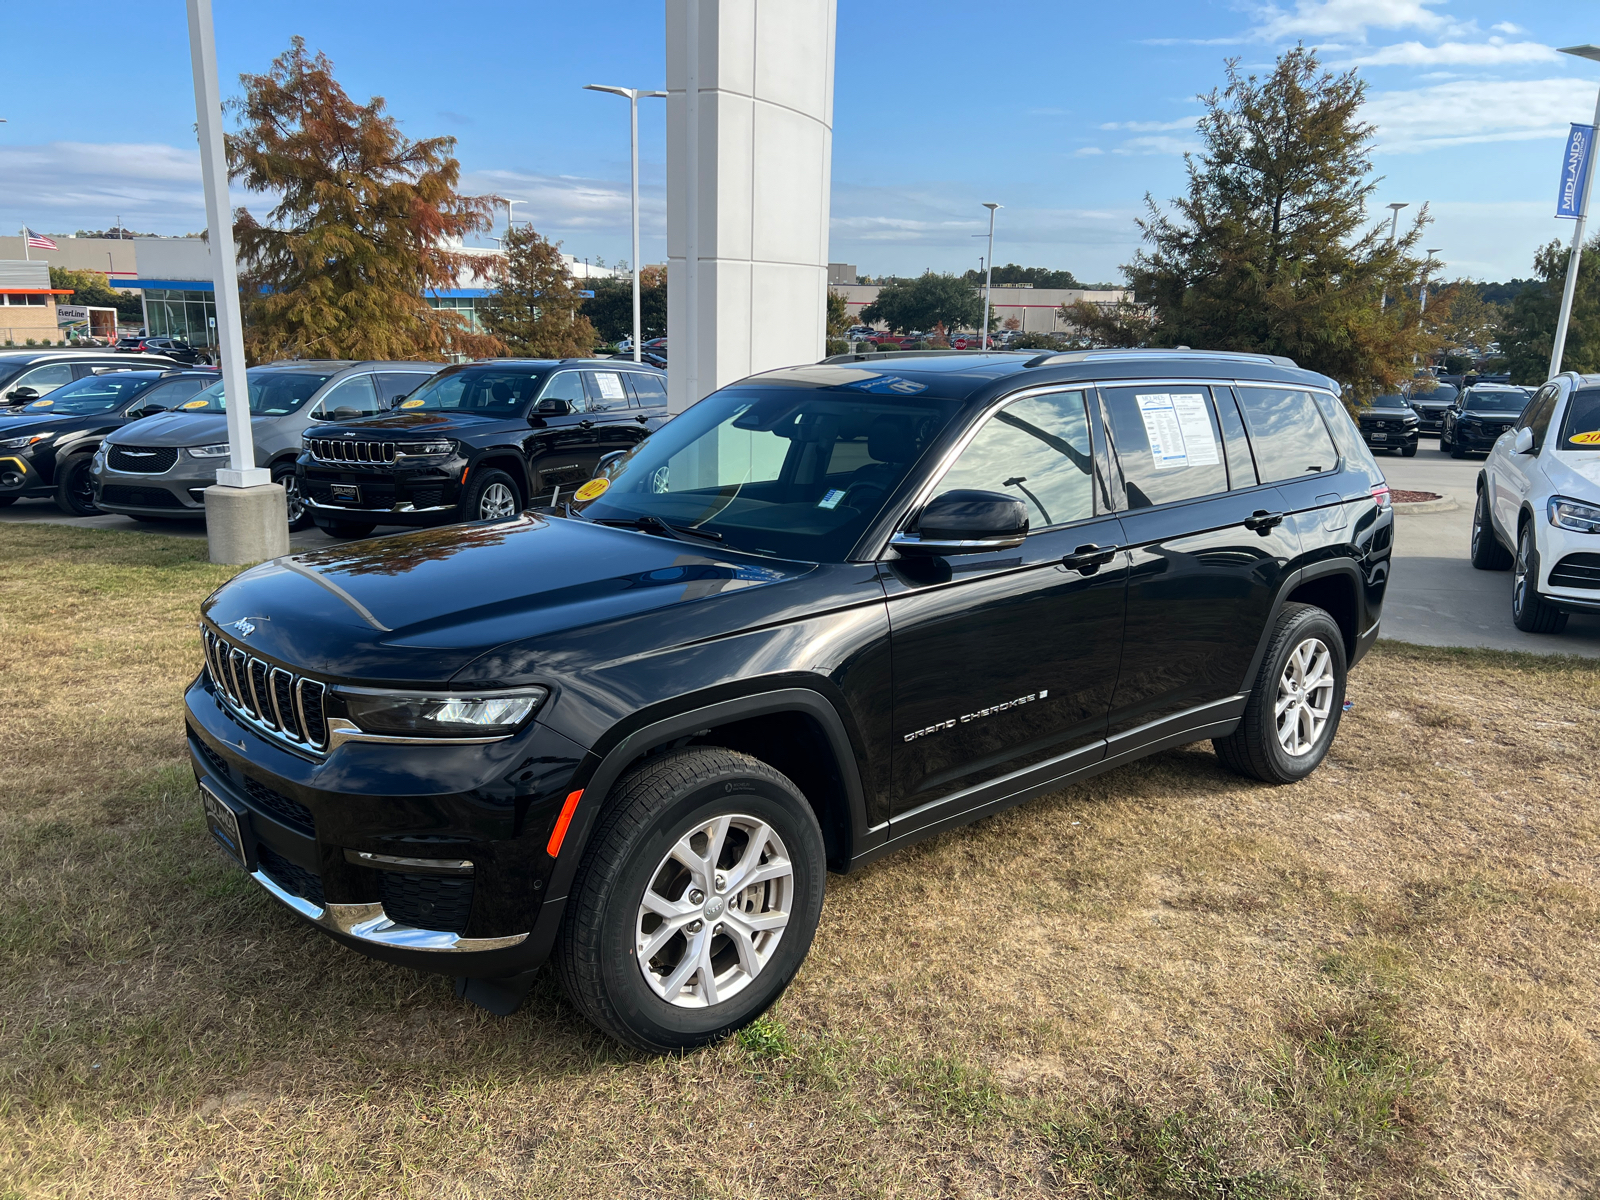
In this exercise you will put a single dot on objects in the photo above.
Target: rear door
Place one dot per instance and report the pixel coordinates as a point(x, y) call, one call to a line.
point(1209, 545)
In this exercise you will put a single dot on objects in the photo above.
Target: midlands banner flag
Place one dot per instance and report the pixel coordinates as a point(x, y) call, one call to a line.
point(38, 241)
point(1575, 171)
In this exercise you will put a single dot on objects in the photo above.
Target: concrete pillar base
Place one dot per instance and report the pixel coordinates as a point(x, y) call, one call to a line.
point(246, 525)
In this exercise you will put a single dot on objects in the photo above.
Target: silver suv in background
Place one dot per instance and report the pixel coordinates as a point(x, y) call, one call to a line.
point(160, 467)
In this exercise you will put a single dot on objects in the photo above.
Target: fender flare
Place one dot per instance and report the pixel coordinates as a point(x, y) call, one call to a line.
point(1293, 580)
point(609, 768)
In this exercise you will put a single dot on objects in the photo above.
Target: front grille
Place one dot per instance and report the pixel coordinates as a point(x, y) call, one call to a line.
point(288, 810)
point(139, 497)
point(427, 901)
point(284, 704)
point(146, 460)
point(342, 450)
point(291, 877)
point(1383, 426)
point(1577, 571)
point(218, 763)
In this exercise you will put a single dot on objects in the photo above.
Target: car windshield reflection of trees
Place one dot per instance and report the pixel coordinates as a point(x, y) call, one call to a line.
point(273, 395)
point(403, 552)
point(792, 473)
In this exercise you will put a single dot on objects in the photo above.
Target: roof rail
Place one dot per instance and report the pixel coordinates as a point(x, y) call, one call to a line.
point(874, 355)
point(1061, 358)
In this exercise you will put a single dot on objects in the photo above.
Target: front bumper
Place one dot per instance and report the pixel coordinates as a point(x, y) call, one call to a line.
point(398, 495)
point(20, 476)
point(310, 825)
point(1389, 439)
point(1569, 567)
point(1475, 438)
point(176, 492)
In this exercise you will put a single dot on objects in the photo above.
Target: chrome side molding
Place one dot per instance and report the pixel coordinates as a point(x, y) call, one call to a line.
point(369, 923)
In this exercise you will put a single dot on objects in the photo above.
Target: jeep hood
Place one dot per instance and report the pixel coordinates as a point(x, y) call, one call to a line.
point(418, 606)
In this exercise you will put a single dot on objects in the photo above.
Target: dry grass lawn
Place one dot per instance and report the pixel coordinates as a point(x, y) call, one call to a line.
point(1168, 982)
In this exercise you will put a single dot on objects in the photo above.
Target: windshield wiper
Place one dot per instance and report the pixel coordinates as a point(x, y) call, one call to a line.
point(647, 523)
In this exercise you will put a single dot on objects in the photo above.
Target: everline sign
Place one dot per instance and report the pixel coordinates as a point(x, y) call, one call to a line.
point(1575, 171)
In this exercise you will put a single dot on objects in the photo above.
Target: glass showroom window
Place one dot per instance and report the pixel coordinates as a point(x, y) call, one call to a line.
point(180, 314)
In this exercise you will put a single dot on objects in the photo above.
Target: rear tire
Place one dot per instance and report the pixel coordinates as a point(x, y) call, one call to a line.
point(1531, 612)
point(1487, 552)
point(1294, 708)
point(74, 488)
point(638, 891)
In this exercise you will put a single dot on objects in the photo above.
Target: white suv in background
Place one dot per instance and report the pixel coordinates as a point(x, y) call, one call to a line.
point(1538, 507)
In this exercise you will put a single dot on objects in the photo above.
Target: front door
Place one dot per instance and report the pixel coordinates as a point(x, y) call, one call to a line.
point(1004, 662)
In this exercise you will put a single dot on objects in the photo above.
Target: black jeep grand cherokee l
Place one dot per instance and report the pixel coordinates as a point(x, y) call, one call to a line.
point(477, 442)
point(825, 612)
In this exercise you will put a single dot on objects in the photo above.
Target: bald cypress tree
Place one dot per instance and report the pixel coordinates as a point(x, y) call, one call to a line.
point(534, 310)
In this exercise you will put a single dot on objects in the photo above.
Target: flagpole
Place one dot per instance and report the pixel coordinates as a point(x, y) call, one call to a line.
point(1559, 345)
point(26, 257)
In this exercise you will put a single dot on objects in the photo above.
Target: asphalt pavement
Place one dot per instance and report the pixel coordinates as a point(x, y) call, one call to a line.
point(1435, 596)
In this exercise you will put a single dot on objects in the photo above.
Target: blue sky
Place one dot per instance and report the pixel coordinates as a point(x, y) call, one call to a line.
point(1065, 112)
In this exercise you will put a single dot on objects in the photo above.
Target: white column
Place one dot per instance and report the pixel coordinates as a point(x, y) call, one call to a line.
point(749, 154)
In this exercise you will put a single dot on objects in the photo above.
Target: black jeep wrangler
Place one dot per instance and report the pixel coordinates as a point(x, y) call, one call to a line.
point(825, 612)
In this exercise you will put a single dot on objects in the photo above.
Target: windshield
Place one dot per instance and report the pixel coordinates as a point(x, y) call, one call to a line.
point(1513, 402)
point(794, 472)
point(96, 394)
point(1581, 428)
point(491, 391)
point(1389, 402)
point(1439, 393)
point(272, 393)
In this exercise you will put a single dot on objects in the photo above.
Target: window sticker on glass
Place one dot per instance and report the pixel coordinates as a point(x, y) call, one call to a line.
point(1178, 429)
point(610, 386)
point(831, 500)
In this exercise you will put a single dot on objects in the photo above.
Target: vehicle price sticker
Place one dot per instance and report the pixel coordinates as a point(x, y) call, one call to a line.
point(610, 386)
point(1178, 429)
point(1592, 438)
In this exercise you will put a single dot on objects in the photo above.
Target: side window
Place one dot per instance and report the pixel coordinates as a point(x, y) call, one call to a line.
point(648, 390)
point(171, 395)
point(1167, 443)
point(1287, 433)
point(1345, 434)
point(355, 397)
point(568, 386)
point(1538, 414)
point(394, 385)
point(605, 391)
point(1038, 450)
point(1236, 445)
point(45, 379)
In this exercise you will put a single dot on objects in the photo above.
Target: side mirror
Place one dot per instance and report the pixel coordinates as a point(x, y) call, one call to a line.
point(554, 408)
point(22, 395)
point(966, 522)
point(149, 410)
point(1522, 441)
point(606, 460)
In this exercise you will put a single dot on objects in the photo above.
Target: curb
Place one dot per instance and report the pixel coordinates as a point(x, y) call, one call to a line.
point(1442, 504)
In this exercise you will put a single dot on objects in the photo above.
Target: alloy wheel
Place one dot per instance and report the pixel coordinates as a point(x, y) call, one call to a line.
point(1519, 573)
point(1305, 697)
point(295, 502)
point(714, 911)
point(497, 501)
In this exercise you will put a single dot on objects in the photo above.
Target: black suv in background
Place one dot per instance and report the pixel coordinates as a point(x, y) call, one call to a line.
point(1431, 405)
point(1478, 418)
point(477, 442)
point(825, 612)
point(47, 445)
point(170, 347)
point(1390, 423)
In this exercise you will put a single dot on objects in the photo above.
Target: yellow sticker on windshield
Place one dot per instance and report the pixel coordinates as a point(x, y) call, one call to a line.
point(197, 404)
point(595, 487)
point(1592, 438)
point(41, 404)
point(411, 404)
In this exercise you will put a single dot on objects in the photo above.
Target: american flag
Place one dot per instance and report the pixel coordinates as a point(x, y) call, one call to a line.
point(38, 241)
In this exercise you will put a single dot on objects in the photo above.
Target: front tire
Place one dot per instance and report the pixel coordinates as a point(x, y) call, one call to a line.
point(1293, 712)
point(492, 496)
point(1409, 451)
point(696, 900)
point(75, 488)
point(1531, 612)
point(294, 499)
point(1487, 552)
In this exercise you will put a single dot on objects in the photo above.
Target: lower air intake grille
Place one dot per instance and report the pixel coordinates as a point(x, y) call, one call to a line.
point(291, 877)
point(138, 497)
point(427, 901)
point(291, 812)
point(1577, 571)
point(218, 764)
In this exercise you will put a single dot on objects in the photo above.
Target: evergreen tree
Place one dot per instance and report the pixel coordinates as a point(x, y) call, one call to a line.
point(93, 288)
point(362, 225)
point(611, 307)
point(1267, 252)
point(1530, 326)
point(926, 301)
point(534, 310)
point(838, 314)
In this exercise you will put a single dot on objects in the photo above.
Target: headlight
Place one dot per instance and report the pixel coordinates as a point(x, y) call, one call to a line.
point(1573, 515)
point(419, 449)
point(98, 463)
point(480, 714)
point(220, 450)
point(22, 443)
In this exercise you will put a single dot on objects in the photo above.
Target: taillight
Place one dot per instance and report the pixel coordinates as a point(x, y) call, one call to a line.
point(1381, 495)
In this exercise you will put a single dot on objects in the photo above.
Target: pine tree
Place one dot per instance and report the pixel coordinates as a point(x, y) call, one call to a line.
point(1271, 250)
point(362, 226)
point(533, 311)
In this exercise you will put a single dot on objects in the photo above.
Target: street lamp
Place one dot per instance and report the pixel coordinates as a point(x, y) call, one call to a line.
point(1426, 271)
point(988, 276)
point(1394, 225)
point(1592, 53)
point(632, 96)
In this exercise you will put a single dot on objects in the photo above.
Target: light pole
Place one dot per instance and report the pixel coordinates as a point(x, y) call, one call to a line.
point(1426, 271)
point(510, 212)
point(988, 277)
point(1558, 347)
point(632, 96)
point(1394, 225)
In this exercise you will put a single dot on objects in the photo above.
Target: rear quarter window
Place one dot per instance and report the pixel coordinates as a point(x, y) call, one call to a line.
point(1287, 433)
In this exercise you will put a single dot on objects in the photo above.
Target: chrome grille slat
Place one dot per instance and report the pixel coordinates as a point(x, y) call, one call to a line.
point(338, 450)
point(266, 706)
point(282, 684)
point(274, 700)
point(240, 691)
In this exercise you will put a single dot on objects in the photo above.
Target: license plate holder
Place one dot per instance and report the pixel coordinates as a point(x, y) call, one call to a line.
point(1377, 437)
point(226, 824)
point(346, 493)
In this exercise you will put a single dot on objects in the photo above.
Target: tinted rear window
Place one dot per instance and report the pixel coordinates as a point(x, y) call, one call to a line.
point(1287, 433)
point(1167, 443)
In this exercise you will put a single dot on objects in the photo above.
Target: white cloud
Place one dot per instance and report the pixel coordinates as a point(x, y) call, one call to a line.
point(1152, 126)
point(1320, 19)
point(62, 186)
point(1493, 53)
point(1157, 144)
point(1086, 150)
point(1506, 27)
point(559, 205)
point(1456, 114)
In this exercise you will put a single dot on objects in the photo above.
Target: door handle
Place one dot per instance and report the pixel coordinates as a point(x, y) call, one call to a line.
point(586, 424)
point(642, 420)
point(1088, 559)
point(1262, 521)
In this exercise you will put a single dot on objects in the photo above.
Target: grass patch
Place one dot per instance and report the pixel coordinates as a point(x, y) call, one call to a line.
point(1165, 982)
